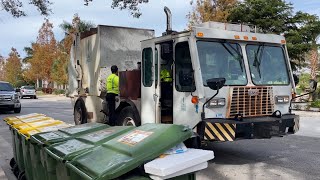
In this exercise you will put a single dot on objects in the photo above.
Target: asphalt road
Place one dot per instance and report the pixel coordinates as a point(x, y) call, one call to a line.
point(291, 157)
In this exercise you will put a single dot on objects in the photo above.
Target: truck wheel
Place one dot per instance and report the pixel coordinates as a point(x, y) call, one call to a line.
point(80, 113)
point(12, 162)
point(22, 176)
point(127, 117)
point(17, 110)
point(16, 170)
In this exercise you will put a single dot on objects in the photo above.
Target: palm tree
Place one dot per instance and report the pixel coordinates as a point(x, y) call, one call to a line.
point(77, 25)
point(72, 28)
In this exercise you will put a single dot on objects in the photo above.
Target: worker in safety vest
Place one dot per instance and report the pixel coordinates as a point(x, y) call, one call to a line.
point(165, 76)
point(112, 84)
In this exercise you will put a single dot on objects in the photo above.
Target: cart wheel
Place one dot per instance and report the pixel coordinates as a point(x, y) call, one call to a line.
point(12, 162)
point(22, 176)
point(16, 170)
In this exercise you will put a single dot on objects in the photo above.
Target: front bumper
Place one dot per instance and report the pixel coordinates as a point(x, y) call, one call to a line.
point(247, 128)
point(10, 104)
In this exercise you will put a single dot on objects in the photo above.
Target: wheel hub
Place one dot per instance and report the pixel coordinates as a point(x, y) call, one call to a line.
point(128, 121)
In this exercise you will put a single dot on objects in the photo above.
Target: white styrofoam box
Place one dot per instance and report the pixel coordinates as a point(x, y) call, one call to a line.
point(185, 171)
point(177, 162)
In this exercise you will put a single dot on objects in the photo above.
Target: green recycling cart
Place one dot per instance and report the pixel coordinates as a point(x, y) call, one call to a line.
point(58, 154)
point(17, 132)
point(25, 142)
point(14, 121)
point(41, 169)
point(126, 152)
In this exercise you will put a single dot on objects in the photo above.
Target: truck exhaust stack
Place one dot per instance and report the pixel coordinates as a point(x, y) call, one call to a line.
point(169, 21)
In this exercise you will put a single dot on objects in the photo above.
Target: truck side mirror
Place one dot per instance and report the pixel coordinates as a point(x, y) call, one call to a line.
point(78, 62)
point(296, 79)
point(17, 89)
point(313, 85)
point(216, 83)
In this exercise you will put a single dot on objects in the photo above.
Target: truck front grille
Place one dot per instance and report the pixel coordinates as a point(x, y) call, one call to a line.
point(251, 101)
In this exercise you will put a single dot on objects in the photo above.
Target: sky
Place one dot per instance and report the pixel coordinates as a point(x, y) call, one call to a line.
point(20, 32)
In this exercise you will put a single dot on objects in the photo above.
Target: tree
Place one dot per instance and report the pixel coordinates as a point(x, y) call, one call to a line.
point(310, 28)
point(15, 7)
point(276, 16)
point(29, 53)
point(70, 29)
point(2, 64)
point(59, 68)
point(272, 16)
point(12, 68)
point(210, 10)
point(44, 52)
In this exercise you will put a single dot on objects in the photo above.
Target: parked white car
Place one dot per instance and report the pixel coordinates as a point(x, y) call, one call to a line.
point(28, 91)
point(9, 99)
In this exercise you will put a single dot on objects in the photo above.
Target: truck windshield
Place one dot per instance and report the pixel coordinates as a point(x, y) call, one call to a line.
point(221, 59)
point(267, 65)
point(5, 87)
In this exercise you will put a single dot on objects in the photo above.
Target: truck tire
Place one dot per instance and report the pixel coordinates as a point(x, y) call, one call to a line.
point(16, 170)
point(17, 110)
point(22, 176)
point(80, 113)
point(12, 162)
point(127, 117)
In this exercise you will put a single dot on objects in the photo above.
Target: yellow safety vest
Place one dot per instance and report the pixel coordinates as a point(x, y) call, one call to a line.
point(165, 76)
point(113, 84)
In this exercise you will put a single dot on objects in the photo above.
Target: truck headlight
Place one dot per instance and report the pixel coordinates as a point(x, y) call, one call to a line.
point(282, 99)
point(214, 103)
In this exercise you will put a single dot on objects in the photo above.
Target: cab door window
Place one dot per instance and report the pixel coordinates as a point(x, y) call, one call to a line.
point(147, 61)
point(184, 73)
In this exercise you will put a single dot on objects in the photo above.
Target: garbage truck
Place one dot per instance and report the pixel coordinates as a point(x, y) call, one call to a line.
point(226, 81)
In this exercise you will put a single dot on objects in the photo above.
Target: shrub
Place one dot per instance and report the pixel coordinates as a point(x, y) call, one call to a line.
point(59, 91)
point(315, 104)
point(47, 90)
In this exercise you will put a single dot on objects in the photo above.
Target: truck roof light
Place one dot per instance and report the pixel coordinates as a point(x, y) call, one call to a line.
point(283, 41)
point(200, 34)
point(254, 38)
point(245, 37)
point(236, 36)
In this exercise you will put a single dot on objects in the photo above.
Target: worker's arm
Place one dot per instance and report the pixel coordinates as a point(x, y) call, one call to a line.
point(116, 82)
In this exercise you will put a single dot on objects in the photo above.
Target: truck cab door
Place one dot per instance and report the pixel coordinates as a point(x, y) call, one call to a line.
point(157, 94)
point(148, 97)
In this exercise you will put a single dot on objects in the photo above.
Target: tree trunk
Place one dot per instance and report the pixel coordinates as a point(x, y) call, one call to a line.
point(314, 68)
point(314, 63)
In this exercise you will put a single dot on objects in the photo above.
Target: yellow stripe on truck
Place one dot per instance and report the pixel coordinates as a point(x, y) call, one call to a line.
point(215, 131)
point(224, 132)
point(220, 131)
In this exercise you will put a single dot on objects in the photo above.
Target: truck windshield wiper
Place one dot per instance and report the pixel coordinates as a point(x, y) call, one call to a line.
point(238, 55)
point(257, 58)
